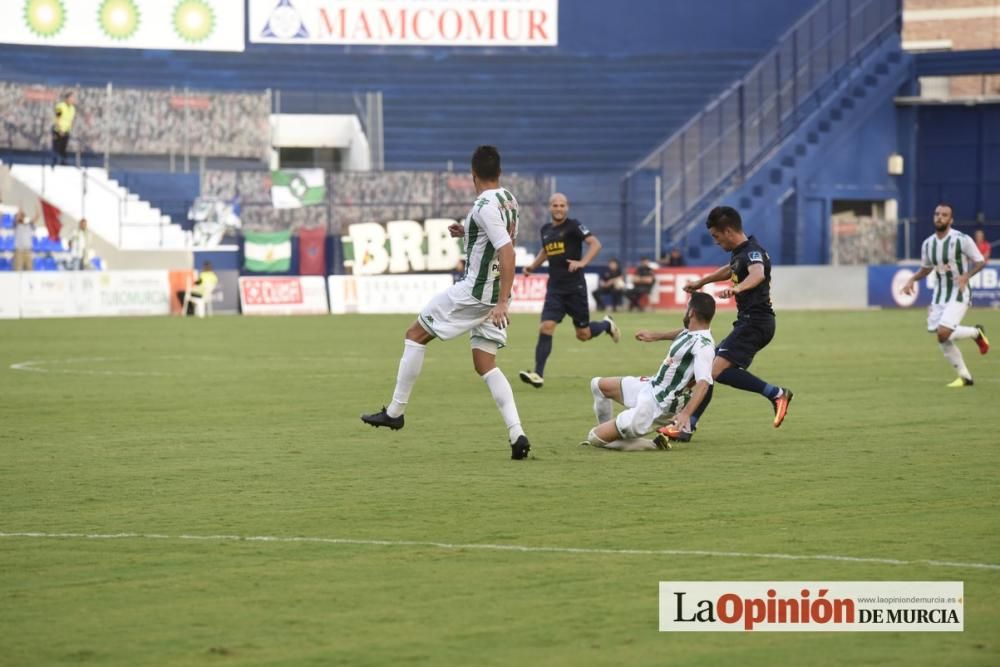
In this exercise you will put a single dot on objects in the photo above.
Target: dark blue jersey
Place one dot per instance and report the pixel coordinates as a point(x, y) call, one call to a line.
point(562, 243)
point(754, 302)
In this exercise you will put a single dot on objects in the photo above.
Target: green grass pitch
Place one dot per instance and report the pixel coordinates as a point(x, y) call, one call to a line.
point(249, 427)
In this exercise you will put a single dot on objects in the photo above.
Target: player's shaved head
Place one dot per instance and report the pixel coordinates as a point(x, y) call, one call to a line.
point(558, 207)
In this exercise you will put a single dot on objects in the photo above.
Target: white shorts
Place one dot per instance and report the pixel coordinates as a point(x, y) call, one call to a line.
point(948, 315)
point(643, 413)
point(454, 311)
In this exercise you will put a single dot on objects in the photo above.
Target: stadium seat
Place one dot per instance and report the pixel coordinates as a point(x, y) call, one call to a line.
point(6, 221)
point(5, 264)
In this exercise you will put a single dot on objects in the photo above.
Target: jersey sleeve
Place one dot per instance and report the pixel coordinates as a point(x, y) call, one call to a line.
point(582, 231)
point(492, 222)
point(970, 250)
point(703, 360)
point(754, 256)
point(925, 260)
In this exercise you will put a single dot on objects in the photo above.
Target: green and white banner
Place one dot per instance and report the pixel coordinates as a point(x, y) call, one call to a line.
point(295, 188)
point(267, 252)
point(190, 25)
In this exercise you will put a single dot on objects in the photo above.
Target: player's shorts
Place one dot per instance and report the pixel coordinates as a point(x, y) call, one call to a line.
point(948, 315)
point(575, 304)
point(454, 311)
point(643, 413)
point(748, 337)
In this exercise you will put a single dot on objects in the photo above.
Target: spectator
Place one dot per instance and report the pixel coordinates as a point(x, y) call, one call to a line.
point(202, 287)
point(642, 285)
point(611, 285)
point(673, 258)
point(24, 234)
point(62, 125)
point(979, 236)
point(79, 247)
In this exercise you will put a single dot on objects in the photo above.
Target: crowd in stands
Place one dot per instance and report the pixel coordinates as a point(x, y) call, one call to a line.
point(374, 196)
point(140, 121)
point(26, 245)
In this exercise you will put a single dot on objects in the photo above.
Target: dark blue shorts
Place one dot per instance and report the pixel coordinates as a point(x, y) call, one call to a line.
point(575, 304)
point(747, 338)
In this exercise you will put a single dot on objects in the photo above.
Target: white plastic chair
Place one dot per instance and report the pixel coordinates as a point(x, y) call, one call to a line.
point(202, 304)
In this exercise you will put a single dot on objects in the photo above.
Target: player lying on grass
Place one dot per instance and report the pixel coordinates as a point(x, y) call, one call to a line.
point(669, 397)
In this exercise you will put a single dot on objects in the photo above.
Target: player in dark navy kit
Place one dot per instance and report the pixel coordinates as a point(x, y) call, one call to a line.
point(749, 269)
point(562, 245)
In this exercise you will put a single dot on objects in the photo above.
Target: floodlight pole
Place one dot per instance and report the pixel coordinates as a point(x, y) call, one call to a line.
point(658, 225)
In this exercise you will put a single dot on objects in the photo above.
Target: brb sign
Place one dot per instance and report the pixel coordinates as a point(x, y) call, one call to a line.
point(401, 246)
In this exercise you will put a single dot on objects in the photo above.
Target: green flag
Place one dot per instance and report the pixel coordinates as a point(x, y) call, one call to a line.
point(295, 188)
point(267, 252)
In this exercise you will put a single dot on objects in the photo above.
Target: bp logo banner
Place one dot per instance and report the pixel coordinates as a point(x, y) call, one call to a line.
point(198, 25)
point(295, 188)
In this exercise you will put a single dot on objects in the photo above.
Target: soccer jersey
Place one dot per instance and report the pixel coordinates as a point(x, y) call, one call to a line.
point(490, 225)
point(950, 257)
point(688, 361)
point(562, 243)
point(754, 302)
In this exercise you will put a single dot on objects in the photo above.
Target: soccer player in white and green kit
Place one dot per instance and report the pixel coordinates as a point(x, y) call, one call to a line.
point(478, 304)
point(954, 258)
point(669, 397)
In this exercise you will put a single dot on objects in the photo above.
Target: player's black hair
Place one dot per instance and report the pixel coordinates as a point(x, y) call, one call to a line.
point(950, 208)
point(486, 163)
point(724, 217)
point(702, 305)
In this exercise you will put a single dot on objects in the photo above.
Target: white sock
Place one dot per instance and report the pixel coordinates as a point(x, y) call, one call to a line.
point(954, 357)
point(961, 332)
point(503, 396)
point(409, 370)
point(603, 407)
point(594, 440)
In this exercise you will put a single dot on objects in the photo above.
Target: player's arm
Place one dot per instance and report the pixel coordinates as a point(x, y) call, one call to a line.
point(919, 275)
point(755, 276)
point(496, 231)
point(722, 273)
point(975, 266)
point(703, 360)
point(925, 269)
point(537, 262)
point(593, 247)
point(505, 256)
point(647, 336)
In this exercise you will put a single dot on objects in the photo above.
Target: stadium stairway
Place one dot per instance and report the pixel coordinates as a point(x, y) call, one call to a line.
point(758, 197)
point(551, 112)
point(112, 211)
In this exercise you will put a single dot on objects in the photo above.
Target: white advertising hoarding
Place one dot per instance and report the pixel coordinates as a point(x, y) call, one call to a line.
point(283, 295)
point(386, 293)
point(10, 293)
point(195, 25)
point(490, 23)
point(89, 294)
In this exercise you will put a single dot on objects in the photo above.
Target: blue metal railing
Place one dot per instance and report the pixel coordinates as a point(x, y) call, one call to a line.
point(736, 131)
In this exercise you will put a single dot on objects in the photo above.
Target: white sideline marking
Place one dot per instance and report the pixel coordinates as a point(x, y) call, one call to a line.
point(500, 547)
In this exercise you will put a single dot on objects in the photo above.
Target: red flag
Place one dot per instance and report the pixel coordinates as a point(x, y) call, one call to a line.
point(51, 215)
point(312, 251)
